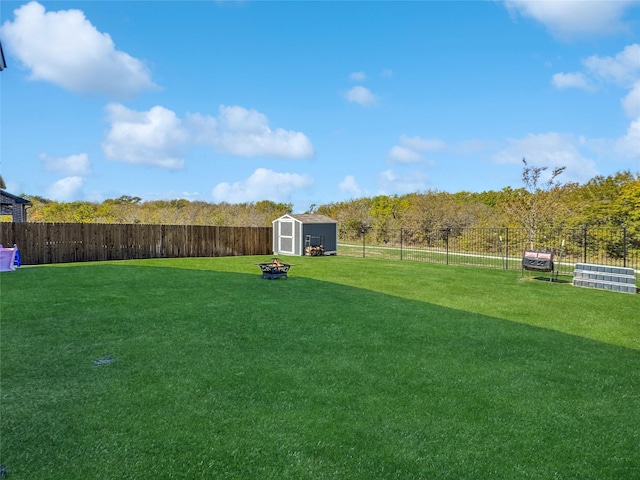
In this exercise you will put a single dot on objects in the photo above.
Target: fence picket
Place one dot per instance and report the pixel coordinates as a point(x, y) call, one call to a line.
point(42, 243)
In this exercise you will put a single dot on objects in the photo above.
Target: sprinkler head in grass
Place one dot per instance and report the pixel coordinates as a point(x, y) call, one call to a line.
point(103, 361)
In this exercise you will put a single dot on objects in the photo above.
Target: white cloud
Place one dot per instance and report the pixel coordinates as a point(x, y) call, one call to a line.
point(391, 183)
point(473, 146)
point(357, 76)
point(263, 184)
point(66, 190)
point(361, 96)
point(571, 80)
point(401, 154)
point(410, 148)
point(152, 138)
point(571, 18)
point(622, 69)
point(629, 145)
point(64, 48)
point(71, 165)
point(549, 150)
point(246, 133)
point(190, 195)
point(631, 103)
point(422, 144)
point(157, 137)
point(386, 73)
point(350, 186)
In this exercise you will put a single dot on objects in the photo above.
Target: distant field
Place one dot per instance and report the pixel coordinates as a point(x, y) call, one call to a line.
point(350, 369)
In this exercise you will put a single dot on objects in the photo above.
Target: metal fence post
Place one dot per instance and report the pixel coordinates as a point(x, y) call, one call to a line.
point(624, 246)
point(446, 240)
point(401, 244)
point(364, 232)
point(584, 243)
point(506, 249)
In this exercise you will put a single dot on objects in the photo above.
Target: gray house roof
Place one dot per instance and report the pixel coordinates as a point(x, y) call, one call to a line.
point(10, 199)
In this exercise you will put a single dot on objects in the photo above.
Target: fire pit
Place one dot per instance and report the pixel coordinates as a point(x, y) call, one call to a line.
point(274, 269)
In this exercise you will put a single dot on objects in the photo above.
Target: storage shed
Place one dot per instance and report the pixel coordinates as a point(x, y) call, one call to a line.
point(298, 234)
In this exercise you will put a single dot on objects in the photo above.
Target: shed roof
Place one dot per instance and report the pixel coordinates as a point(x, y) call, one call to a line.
point(312, 218)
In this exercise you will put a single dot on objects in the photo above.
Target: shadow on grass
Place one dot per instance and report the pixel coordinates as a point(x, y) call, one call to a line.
point(551, 279)
point(228, 375)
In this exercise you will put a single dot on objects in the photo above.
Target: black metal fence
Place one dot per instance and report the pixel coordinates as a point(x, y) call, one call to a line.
point(498, 247)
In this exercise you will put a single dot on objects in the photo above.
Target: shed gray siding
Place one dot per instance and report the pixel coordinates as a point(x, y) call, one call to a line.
point(321, 234)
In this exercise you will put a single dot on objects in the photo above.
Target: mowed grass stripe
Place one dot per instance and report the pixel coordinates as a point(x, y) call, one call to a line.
point(348, 369)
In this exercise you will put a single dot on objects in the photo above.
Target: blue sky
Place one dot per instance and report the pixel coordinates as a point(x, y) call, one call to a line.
point(313, 102)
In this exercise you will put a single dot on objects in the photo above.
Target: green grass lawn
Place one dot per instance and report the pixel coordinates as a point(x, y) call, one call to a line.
point(349, 369)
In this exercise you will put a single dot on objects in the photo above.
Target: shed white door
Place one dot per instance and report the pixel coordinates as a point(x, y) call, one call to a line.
point(285, 239)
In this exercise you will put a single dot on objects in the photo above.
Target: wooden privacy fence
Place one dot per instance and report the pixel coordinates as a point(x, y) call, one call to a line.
point(41, 243)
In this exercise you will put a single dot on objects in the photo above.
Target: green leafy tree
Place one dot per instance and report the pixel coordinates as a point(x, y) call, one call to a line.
point(353, 216)
point(387, 214)
point(610, 201)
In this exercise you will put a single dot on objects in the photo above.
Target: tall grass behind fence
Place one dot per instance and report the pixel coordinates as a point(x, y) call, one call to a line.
point(497, 247)
point(42, 243)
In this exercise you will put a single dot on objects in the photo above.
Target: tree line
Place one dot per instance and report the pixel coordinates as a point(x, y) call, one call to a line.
point(602, 202)
point(611, 201)
point(132, 210)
